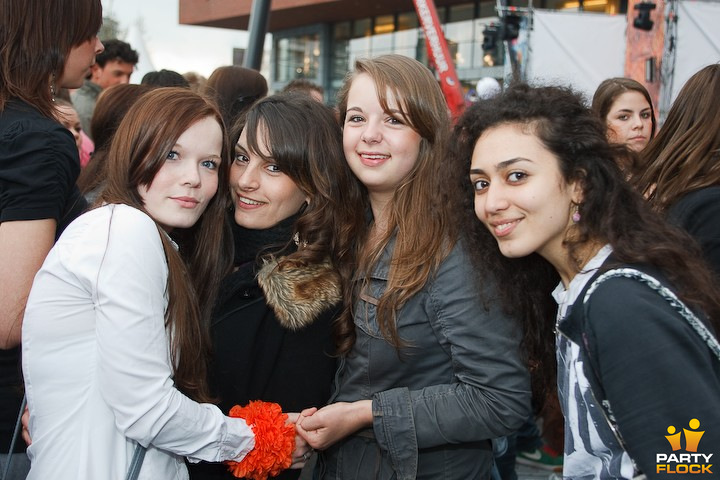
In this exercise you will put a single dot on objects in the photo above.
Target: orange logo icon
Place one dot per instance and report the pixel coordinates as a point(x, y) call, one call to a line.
point(692, 436)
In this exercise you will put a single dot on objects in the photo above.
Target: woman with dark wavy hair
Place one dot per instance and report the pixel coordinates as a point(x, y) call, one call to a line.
point(430, 370)
point(271, 327)
point(544, 182)
point(115, 338)
point(681, 166)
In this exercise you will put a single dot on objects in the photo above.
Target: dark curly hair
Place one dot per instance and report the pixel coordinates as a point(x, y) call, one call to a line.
point(612, 212)
point(117, 50)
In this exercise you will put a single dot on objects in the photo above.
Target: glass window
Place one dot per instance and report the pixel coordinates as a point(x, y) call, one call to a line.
point(342, 31)
point(359, 46)
point(421, 53)
point(407, 21)
point(487, 9)
point(406, 39)
point(340, 51)
point(602, 6)
point(384, 24)
point(297, 57)
point(382, 40)
point(461, 39)
point(362, 28)
point(458, 13)
point(442, 14)
point(381, 44)
point(460, 31)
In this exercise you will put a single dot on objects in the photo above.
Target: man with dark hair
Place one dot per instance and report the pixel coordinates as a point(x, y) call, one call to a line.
point(112, 67)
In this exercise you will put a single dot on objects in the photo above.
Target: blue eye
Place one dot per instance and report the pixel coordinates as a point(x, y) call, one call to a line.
point(172, 155)
point(210, 164)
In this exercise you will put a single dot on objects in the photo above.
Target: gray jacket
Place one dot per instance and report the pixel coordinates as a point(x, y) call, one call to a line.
point(437, 402)
point(84, 100)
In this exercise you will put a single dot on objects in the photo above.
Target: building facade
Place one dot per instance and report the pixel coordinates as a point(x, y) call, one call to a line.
point(319, 40)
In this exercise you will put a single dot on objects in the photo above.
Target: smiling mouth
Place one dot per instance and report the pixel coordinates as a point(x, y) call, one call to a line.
point(248, 201)
point(374, 156)
point(502, 229)
point(373, 159)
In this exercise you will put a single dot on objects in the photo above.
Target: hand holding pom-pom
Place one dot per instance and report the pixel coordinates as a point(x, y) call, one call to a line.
point(274, 441)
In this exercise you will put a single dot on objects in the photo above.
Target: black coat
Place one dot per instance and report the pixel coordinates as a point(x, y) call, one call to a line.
point(273, 343)
point(698, 213)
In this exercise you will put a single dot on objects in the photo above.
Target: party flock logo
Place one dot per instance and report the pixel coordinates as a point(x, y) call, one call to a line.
point(691, 461)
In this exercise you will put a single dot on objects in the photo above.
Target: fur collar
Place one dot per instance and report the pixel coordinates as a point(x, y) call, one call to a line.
point(298, 293)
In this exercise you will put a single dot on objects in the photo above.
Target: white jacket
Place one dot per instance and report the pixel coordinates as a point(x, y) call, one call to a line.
point(96, 360)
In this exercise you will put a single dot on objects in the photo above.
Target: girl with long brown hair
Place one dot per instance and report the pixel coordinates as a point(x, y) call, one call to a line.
point(430, 369)
point(626, 108)
point(115, 340)
point(680, 175)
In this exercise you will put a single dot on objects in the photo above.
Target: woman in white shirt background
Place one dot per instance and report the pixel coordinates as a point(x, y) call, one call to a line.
point(114, 336)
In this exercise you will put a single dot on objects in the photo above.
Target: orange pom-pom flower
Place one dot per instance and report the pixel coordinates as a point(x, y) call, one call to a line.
point(274, 441)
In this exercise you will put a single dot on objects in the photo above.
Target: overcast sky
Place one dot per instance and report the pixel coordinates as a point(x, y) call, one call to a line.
point(169, 45)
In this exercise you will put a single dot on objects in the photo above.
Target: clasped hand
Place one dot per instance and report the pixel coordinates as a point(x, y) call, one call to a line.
point(330, 424)
point(303, 450)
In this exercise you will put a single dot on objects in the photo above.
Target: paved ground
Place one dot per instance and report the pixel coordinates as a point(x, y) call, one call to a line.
point(524, 473)
point(530, 473)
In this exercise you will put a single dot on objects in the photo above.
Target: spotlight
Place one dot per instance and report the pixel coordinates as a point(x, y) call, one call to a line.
point(511, 26)
point(491, 33)
point(642, 21)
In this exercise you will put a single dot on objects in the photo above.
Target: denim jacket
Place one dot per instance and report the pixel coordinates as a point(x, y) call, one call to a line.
point(438, 401)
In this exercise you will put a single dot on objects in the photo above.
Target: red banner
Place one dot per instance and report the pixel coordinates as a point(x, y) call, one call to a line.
point(440, 55)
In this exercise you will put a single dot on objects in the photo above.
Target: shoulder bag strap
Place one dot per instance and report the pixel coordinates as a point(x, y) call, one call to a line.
point(697, 325)
point(136, 462)
point(16, 432)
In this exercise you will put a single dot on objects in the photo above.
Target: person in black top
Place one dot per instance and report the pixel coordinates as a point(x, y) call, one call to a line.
point(44, 46)
point(271, 327)
point(679, 173)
